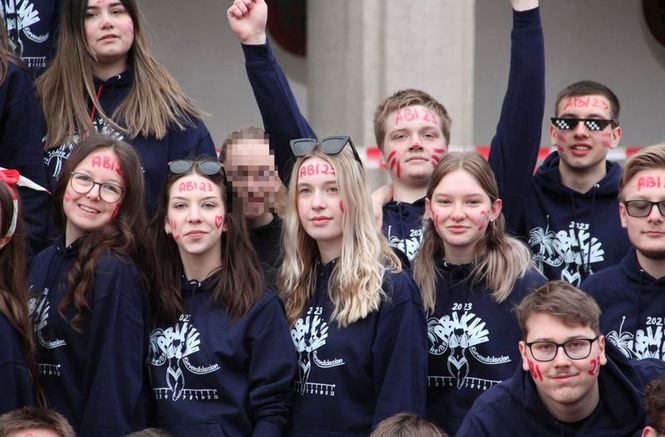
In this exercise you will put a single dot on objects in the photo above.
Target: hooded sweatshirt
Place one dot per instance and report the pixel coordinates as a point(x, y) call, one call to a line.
point(92, 375)
point(214, 377)
point(633, 308)
point(514, 407)
point(16, 383)
point(21, 134)
point(472, 342)
point(351, 378)
point(155, 154)
point(32, 30)
point(519, 126)
point(572, 234)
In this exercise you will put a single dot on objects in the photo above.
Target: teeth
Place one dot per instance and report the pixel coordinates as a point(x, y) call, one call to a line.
point(86, 209)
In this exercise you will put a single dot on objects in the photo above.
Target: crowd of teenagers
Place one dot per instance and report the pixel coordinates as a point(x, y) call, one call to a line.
point(151, 286)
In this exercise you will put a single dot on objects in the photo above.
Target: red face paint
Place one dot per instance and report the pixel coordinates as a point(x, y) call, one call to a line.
point(316, 169)
point(484, 220)
point(341, 206)
point(595, 366)
point(116, 210)
point(172, 224)
point(534, 369)
point(176, 237)
point(648, 182)
point(399, 170)
point(189, 186)
point(434, 160)
point(218, 221)
point(103, 161)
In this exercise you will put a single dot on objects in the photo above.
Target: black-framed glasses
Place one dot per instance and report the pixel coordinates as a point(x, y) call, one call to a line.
point(592, 124)
point(109, 192)
point(328, 145)
point(575, 349)
point(207, 167)
point(642, 208)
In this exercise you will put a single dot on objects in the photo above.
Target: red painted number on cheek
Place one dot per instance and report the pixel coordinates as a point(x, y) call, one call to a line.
point(595, 366)
point(218, 221)
point(484, 220)
point(534, 369)
point(116, 210)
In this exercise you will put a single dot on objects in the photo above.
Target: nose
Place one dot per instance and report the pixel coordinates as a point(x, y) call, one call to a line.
point(580, 129)
point(654, 214)
point(458, 211)
point(194, 214)
point(561, 359)
point(318, 202)
point(94, 192)
point(415, 145)
point(106, 20)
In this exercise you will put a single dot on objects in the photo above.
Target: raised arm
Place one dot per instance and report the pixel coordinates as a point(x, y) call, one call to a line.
point(514, 148)
point(281, 116)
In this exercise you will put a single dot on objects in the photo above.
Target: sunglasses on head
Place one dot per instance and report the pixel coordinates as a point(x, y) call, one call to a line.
point(328, 145)
point(592, 124)
point(208, 168)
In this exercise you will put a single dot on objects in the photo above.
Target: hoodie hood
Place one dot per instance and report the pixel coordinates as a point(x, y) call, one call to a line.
point(549, 178)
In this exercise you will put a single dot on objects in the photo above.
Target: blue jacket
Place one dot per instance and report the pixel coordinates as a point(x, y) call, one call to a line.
point(519, 125)
point(349, 379)
point(472, 342)
point(155, 154)
point(513, 408)
point(21, 134)
point(216, 378)
point(32, 28)
point(633, 308)
point(94, 376)
point(17, 388)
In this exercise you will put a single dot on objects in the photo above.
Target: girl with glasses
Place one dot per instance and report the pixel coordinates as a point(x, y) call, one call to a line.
point(356, 320)
point(103, 78)
point(470, 274)
point(89, 301)
point(221, 360)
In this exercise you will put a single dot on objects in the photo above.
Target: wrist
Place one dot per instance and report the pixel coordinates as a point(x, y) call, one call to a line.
point(255, 39)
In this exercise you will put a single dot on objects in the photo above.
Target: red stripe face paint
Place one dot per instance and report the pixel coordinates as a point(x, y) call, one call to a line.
point(341, 206)
point(219, 220)
point(534, 369)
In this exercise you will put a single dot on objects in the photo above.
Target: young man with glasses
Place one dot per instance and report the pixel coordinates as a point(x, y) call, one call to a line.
point(571, 382)
point(631, 293)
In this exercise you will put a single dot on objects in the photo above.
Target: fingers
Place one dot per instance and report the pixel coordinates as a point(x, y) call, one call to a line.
point(240, 8)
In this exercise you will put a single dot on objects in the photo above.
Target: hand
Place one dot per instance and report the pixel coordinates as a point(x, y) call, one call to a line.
point(247, 19)
point(523, 5)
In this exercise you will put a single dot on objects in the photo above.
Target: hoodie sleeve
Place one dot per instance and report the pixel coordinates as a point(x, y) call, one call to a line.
point(281, 116)
point(272, 368)
point(400, 352)
point(115, 360)
point(21, 133)
point(514, 148)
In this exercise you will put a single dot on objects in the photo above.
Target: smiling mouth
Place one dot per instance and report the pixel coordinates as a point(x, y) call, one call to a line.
point(88, 209)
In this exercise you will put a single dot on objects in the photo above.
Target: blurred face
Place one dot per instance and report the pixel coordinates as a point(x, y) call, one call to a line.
point(563, 383)
point(581, 149)
point(320, 207)
point(85, 211)
point(461, 212)
point(33, 432)
point(413, 144)
point(109, 31)
point(647, 233)
point(250, 166)
point(195, 216)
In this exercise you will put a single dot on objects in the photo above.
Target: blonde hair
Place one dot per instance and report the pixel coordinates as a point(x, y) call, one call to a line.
point(500, 260)
point(154, 103)
point(355, 285)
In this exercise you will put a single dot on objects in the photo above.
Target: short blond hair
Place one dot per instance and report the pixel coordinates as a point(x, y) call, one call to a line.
point(407, 425)
point(27, 418)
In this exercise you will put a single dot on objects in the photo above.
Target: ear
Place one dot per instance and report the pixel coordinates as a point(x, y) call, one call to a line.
point(4, 240)
point(553, 133)
point(649, 431)
point(167, 226)
point(601, 350)
point(428, 208)
point(495, 210)
point(525, 359)
point(623, 215)
point(617, 132)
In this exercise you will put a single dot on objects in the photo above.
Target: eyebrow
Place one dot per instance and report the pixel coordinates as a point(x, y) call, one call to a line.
point(551, 340)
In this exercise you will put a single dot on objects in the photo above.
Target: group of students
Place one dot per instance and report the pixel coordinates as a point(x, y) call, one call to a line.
point(153, 303)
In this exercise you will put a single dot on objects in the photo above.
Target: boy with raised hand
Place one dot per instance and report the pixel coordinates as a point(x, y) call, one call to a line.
point(630, 294)
point(412, 129)
point(571, 382)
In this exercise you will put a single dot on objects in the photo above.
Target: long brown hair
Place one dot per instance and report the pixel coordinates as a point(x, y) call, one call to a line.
point(124, 235)
point(13, 273)
point(239, 282)
point(154, 103)
point(499, 258)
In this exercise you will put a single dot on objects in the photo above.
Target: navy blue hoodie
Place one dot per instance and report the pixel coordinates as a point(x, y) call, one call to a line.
point(633, 308)
point(17, 389)
point(472, 342)
point(572, 234)
point(513, 408)
point(94, 376)
point(155, 154)
point(216, 378)
point(32, 30)
point(349, 379)
point(21, 134)
point(519, 126)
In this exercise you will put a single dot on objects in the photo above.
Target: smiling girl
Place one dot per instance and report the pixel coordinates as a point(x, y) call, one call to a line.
point(89, 305)
point(470, 274)
point(104, 78)
point(221, 360)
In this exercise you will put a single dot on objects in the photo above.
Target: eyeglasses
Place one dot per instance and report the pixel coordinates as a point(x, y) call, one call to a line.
point(207, 167)
point(108, 191)
point(575, 349)
point(642, 208)
point(328, 145)
point(593, 124)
